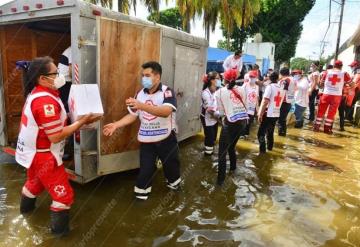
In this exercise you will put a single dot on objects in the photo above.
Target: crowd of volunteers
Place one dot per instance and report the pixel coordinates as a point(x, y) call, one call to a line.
point(269, 99)
point(227, 101)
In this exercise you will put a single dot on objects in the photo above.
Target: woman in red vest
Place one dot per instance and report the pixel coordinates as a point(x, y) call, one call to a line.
point(40, 145)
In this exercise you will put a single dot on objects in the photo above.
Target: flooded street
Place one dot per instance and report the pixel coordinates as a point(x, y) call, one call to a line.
point(306, 192)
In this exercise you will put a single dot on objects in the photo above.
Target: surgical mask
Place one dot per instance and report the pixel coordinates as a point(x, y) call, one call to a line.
point(297, 77)
point(59, 81)
point(218, 83)
point(252, 80)
point(146, 82)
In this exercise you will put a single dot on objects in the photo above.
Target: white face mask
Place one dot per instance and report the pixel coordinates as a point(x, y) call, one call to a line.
point(252, 80)
point(59, 81)
point(297, 77)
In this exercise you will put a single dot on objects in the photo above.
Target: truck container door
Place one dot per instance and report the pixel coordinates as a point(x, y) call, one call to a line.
point(188, 68)
point(122, 48)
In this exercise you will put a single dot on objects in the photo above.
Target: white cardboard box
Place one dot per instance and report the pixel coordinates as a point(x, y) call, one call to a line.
point(85, 99)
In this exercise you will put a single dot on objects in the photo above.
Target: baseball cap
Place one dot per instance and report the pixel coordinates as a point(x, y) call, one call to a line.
point(230, 75)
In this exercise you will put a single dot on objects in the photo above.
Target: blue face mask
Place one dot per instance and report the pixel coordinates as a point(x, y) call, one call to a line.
point(218, 83)
point(146, 82)
point(297, 77)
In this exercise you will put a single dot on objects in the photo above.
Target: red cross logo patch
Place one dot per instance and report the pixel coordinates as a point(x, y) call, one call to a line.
point(252, 97)
point(234, 99)
point(334, 79)
point(148, 116)
point(49, 110)
point(168, 94)
point(277, 99)
point(60, 190)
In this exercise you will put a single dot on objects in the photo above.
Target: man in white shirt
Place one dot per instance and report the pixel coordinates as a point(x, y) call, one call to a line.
point(314, 78)
point(234, 62)
point(302, 90)
point(65, 68)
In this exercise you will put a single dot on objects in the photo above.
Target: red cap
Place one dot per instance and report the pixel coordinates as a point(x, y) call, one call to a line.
point(230, 75)
point(338, 63)
point(253, 73)
point(297, 71)
point(354, 64)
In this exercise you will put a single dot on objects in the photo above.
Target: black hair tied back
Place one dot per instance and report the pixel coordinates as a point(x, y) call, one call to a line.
point(32, 71)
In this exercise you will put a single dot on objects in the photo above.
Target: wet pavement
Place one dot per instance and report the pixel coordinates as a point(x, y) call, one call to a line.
point(306, 192)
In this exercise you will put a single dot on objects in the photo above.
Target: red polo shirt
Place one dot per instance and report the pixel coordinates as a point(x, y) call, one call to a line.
point(47, 112)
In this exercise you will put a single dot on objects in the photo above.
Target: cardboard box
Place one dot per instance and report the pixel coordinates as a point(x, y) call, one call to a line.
point(85, 99)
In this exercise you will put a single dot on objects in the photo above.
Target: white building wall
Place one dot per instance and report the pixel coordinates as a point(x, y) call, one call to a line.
point(261, 51)
point(347, 56)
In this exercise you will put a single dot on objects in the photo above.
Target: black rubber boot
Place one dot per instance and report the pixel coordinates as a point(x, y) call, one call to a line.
point(328, 130)
point(27, 204)
point(60, 222)
point(316, 127)
point(262, 147)
point(299, 124)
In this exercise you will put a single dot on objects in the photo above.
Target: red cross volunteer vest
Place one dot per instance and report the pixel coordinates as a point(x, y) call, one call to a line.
point(334, 82)
point(252, 95)
point(208, 102)
point(26, 145)
point(290, 92)
point(276, 95)
point(153, 128)
point(234, 108)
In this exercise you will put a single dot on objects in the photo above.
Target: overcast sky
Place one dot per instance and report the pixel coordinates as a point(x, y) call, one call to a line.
point(315, 25)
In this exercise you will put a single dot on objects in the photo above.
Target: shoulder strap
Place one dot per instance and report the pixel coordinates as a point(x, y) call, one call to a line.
point(238, 96)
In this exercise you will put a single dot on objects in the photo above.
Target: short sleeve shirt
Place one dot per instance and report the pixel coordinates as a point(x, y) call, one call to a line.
point(47, 113)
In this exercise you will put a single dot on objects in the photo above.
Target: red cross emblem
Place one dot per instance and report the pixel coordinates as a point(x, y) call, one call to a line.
point(277, 99)
point(252, 97)
point(49, 110)
point(60, 190)
point(146, 115)
point(234, 99)
point(334, 79)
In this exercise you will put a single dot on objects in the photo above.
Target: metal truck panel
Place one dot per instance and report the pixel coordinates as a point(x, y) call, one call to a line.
point(183, 78)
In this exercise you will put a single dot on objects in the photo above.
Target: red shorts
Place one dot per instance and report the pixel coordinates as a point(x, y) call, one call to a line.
point(44, 173)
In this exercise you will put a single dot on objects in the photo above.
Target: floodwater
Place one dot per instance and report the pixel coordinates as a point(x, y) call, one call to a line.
point(306, 192)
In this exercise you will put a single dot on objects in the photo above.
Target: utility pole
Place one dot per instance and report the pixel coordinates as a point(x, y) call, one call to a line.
point(339, 31)
point(242, 26)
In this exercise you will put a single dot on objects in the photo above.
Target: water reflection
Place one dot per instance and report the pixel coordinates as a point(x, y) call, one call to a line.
point(303, 193)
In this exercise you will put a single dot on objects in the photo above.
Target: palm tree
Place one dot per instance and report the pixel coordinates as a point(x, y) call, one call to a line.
point(210, 11)
point(237, 12)
point(187, 9)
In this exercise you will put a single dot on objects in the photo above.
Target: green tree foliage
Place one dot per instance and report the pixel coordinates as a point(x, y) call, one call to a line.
point(279, 21)
point(300, 63)
point(169, 17)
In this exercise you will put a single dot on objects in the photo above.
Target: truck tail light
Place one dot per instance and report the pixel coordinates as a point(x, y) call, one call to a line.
point(39, 5)
point(60, 2)
point(26, 7)
point(96, 12)
point(14, 10)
